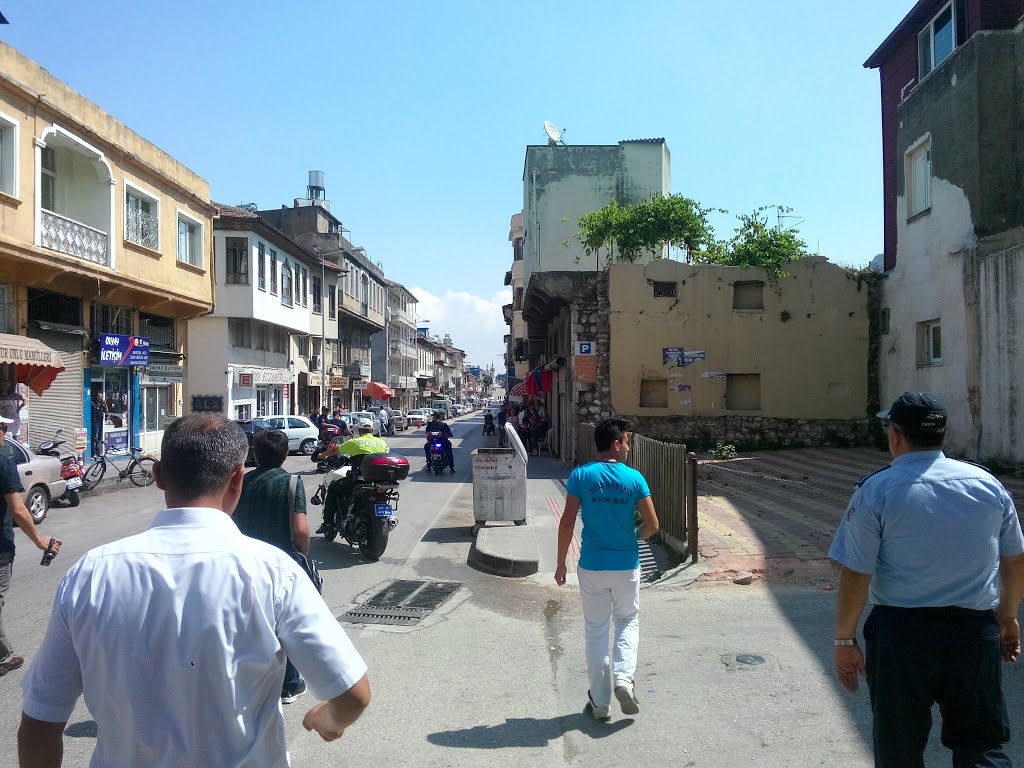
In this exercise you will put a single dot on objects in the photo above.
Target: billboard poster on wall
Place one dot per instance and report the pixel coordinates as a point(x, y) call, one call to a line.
point(123, 350)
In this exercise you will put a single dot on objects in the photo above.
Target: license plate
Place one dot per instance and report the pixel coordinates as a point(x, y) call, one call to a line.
point(74, 483)
point(383, 510)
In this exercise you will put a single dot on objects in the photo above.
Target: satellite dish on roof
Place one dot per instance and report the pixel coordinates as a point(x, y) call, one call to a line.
point(554, 133)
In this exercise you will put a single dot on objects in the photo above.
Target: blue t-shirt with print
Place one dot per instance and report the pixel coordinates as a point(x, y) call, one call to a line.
point(608, 492)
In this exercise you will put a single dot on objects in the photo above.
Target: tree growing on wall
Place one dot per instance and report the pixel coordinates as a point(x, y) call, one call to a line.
point(626, 233)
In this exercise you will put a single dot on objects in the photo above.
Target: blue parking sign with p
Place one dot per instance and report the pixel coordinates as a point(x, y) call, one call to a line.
point(584, 347)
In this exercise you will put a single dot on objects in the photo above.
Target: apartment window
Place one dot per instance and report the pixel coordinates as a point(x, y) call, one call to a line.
point(296, 274)
point(273, 271)
point(654, 393)
point(748, 295)
point(743, 392)
point(261, 266)
point(48, 179)
point(919, 178)
point(237, 261)
point(243, 412)
point(305, 287)
point(286, 284)
point(331, 302)
point(929, 342)
point(318, 306)
point(8, 156)
point(517, 299)
point(262, 337)
point(665, 290)
point(280, 341)
point(190, 241)
point(937, 41)
point(159, 330)
point(111, 319)
point(315, 349)
point(302, 345)
point(141, 218)
point(240, 332)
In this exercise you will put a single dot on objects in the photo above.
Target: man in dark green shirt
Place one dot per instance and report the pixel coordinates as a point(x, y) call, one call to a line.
point(271, 509)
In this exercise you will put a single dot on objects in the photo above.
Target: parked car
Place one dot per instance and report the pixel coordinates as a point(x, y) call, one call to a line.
point(458, 409)
point(251, 427)
point(302, 433)
point(373, 417)
point(40, 476)
point(417, 417)
point(399, 421)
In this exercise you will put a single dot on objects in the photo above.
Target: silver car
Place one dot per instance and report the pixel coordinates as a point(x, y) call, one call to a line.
point(40, 476)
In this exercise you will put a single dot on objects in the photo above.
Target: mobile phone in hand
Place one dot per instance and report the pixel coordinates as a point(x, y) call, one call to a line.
point(49, 554)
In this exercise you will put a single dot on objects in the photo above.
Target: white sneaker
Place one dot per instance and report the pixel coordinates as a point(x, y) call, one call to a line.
point(600, 714)
point(626, 694)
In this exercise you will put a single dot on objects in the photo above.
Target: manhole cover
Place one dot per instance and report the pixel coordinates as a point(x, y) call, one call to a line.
point(750, 659)
point(404, 602)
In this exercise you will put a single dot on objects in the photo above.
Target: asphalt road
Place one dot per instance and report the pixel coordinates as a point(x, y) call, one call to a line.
point(497, 676)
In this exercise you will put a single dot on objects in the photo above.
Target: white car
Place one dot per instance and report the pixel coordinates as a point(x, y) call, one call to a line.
point(418, 417)
point(373, 418)
point(302, 433)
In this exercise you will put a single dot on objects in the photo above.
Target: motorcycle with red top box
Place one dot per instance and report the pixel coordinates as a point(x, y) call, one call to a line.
point(360, 500)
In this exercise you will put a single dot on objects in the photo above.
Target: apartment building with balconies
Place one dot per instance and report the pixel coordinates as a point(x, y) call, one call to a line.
point(253, 355)
point(395, 359)
point(361, 288)
point(104, 244)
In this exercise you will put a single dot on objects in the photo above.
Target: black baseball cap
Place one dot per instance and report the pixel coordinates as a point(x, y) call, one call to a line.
point(917, 413)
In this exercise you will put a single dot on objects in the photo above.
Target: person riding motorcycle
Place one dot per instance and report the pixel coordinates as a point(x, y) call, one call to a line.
point(437, 425)
point(337, 483)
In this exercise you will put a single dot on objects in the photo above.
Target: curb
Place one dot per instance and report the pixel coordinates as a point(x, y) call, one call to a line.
point(493, 551)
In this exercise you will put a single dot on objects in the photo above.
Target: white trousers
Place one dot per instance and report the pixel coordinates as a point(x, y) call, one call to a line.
point(608, 596)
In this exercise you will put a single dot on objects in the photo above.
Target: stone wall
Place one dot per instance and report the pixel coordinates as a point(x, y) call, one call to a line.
point(590, 313)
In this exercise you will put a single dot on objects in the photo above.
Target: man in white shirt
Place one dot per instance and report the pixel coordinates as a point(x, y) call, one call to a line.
point(177, 637)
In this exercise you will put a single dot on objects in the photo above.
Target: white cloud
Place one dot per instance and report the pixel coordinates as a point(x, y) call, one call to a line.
point(474, 322)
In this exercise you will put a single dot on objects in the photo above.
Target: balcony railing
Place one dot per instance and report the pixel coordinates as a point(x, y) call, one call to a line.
point(59, 233)
point(142, 228)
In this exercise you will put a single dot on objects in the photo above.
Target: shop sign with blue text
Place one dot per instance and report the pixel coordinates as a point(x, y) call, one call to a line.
point(123, 350)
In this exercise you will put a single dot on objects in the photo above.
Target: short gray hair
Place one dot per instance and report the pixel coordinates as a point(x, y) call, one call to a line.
point(199, 453)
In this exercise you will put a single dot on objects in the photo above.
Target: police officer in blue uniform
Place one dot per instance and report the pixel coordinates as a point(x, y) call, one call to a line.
point(936, 546)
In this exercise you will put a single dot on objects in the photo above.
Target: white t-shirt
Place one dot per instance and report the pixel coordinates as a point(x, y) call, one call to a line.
point(177, 637)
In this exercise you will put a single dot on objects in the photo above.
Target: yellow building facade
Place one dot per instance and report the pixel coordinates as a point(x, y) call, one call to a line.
point(102, 235)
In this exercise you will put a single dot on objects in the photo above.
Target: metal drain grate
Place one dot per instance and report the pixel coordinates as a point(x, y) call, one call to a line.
point(404, 602)
point(648, 565)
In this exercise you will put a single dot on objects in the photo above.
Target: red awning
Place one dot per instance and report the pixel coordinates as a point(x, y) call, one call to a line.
point(37, 365)
point(377, 391)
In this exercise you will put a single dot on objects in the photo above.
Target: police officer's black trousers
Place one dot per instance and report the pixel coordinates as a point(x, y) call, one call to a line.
point(916, 657)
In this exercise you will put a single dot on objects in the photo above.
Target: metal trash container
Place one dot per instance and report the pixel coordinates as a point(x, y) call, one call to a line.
point(499, 486)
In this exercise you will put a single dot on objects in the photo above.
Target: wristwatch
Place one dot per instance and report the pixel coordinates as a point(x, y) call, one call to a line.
point(846, 641)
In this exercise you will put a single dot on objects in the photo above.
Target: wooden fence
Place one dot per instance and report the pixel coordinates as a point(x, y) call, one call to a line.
point(671, 475)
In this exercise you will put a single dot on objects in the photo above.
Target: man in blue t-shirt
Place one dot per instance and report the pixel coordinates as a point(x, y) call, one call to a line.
point(609, 494)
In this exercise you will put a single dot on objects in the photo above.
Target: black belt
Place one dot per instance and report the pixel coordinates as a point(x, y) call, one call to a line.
point(946, 610)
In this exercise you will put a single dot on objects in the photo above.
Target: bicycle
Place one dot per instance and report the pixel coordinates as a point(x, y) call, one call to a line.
point(139, 469)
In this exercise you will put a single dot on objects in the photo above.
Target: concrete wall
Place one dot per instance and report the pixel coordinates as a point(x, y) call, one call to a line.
point(564, 182)
point(812, 364)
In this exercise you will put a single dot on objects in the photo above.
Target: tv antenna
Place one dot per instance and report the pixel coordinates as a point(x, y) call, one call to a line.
point(554, 133)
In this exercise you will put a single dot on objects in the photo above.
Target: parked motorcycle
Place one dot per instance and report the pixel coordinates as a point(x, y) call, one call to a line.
point(71, 469)
point(362, 503)
point(438, 456)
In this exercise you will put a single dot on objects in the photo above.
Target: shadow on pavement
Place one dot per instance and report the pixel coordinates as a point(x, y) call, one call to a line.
point(336, 555)
point(454, 535)
point(545, 468)
point(84, 729)
point(526, 732)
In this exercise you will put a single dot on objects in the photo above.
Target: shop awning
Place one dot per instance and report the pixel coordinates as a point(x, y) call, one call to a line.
point(37, 365)
point(377, 391)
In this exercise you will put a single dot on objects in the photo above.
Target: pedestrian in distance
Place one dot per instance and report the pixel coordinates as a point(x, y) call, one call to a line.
point(935, 546)
point(608, 494)
point(272, 508)
point(14, 511)
point(177, 637)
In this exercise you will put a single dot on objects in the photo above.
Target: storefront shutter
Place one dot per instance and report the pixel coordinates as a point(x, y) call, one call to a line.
point(61, 404)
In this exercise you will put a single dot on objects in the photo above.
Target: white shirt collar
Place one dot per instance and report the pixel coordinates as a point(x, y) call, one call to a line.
point(194, 517)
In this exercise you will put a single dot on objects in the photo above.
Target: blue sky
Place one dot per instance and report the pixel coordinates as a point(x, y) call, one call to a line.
point(419, 112)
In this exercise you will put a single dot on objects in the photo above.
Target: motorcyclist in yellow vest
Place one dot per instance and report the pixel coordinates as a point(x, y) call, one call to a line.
point(362, 445)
